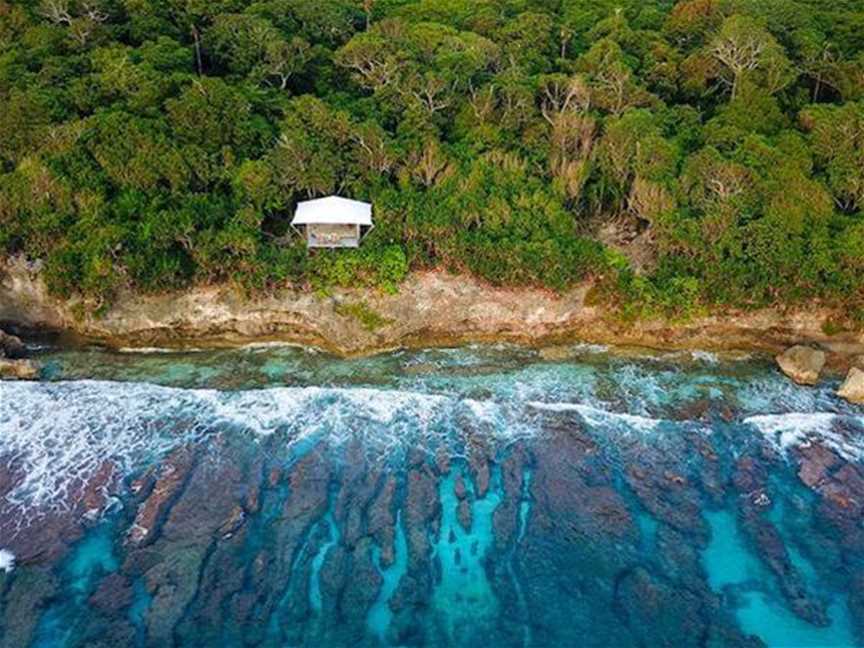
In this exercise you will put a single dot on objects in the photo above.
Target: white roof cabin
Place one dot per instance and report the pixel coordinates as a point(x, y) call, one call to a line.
point(333, 222)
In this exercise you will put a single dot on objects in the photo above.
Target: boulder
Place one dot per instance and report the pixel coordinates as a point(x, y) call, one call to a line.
point(11, 346)
point(802, 364)
point(853, 387)
point(18, 369)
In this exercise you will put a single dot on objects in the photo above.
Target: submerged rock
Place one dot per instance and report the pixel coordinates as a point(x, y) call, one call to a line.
point(802, 364)
point(113, 594)
point(517, 529)
point(853, 387)
point(665, 615)
point(18, 369)
point(21, 602)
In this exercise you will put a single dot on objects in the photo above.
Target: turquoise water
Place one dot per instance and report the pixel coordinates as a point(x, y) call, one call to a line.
point(90, 559)
point(329, 525)
point(450, 497)
point(731, 565)
point(464, 592)
point(380, 614)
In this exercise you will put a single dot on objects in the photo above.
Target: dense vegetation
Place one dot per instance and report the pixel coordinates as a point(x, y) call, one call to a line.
point(156, 143)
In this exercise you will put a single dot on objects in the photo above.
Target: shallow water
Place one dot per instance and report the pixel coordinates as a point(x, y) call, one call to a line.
point(278, 496)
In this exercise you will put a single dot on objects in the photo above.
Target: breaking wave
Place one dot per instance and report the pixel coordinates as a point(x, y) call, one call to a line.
point(843, 434)
point(60, 434)
point(57, 435)
point(601, 418)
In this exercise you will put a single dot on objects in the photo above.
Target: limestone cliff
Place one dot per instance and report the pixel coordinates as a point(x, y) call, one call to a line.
point(430, 308)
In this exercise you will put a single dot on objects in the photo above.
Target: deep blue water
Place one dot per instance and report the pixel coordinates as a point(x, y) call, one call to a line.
point(278, 496)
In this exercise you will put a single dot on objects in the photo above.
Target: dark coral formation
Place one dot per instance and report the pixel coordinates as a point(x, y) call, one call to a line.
point(253, 542)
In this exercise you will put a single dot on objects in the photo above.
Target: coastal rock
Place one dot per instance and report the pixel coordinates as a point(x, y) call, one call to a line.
point(841, 487)
point(771, 549)
point(515, 476)
point(802, 364)
point(853, 387)
point(380, 521)
point(751, 478)
point(464, 514)
point(478, 458)
point(195, 500)
point(459, 488)
point(18, 369)
point(661, 488)
point(842, 506)
point(817, 463)
point(679, 557)
point(113, 594)
point(431, 308)
point(664, 616)
point(44, 535)
point(11, 346)
point(22, 601)
point(172, 474)
point(575, 516)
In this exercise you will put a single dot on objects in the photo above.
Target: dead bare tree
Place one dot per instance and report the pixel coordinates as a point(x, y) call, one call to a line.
point(284, 59)
point(91, 10)
point(560, 94)
point(374, 152)
point(571, 149)
point(431, 165)
point(483, 101)
point(57, 11)
point(742, 47)
point(81, 22)
point(431, 92)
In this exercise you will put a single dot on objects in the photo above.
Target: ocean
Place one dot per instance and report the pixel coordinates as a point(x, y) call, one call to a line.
point(484, 495)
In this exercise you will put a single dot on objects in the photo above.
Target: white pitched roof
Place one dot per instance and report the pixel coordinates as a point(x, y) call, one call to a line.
point(333, 210)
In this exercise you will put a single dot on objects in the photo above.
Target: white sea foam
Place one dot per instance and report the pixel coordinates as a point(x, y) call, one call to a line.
point(485, 411)
point(601, 418)
point(589, 349)
point(157, 350)
point(337, 411)
point(797, 429)
point(7, 560)
point(278, 344)
point(58, 435)
point(705, 356)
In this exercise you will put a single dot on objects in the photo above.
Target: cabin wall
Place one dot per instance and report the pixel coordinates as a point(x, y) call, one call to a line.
point(333, 236)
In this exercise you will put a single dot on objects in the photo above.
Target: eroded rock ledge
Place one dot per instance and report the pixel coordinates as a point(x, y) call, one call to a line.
point(432, 308)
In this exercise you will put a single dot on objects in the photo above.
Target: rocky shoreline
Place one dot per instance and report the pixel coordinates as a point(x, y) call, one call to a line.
point(430, 309)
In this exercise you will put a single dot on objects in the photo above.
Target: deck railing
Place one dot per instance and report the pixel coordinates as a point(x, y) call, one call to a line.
point(331, 241)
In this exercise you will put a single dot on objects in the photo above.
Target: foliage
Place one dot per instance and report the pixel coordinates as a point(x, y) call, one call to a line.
point(368, 318)
point(150, 145)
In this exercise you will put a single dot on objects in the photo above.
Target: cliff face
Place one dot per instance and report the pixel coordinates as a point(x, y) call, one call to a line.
point(430, 309)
